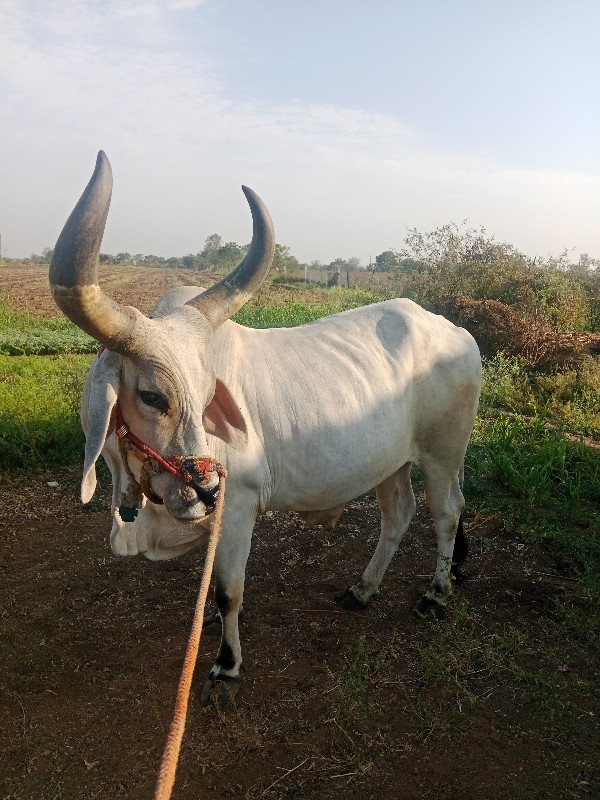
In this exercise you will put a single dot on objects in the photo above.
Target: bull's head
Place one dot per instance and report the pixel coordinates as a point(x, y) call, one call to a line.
point(158, 367)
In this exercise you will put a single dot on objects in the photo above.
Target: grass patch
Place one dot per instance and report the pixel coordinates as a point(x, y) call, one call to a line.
point(572, 398)
point(353, 679)
point(505, 384)
point(537, 463)
point(468, 663)
point(546, 484)
point(454, 650)
point(24, 334)
point(257, 314)
point(39, 409)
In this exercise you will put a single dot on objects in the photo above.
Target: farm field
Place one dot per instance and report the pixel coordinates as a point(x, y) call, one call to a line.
point(498, 699)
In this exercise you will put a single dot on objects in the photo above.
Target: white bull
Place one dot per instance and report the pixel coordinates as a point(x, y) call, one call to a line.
point(303, 419)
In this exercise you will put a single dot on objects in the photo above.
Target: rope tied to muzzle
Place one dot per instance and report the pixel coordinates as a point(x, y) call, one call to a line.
point(193, 471)
point(168, 767)
point(202, 473)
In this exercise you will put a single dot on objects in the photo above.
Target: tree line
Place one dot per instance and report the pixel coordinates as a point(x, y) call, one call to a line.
point(450, 261)
point(215, 256)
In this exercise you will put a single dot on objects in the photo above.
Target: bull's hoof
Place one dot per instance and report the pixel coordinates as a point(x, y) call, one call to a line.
point(430, 606)
point(220, 692)
point(349, 601)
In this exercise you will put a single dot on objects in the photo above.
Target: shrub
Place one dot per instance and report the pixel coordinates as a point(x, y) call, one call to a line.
point(497, 327)
point(506, 384)
point(573, 397)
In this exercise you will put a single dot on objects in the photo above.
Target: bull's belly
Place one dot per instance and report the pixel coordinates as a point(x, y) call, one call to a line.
point(326, 485)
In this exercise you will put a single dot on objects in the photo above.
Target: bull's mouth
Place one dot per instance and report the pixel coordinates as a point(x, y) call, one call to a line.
point(188, 504)
point(192, 517)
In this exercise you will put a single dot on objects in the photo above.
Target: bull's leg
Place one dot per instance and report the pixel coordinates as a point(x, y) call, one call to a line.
point(397, 504)
point(230, 568)
point(446, 503)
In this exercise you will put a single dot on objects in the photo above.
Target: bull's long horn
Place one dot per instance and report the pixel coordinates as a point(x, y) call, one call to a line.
point(223, 299)
point(74, 272)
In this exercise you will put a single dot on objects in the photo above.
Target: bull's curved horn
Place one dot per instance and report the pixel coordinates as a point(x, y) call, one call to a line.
point(223, 299)
point(74, 272)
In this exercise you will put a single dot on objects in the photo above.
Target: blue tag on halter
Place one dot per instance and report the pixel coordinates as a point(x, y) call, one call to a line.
point(128, 513)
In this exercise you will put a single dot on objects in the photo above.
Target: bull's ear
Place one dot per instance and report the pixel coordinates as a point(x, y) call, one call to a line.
point(223, 418)
point(99, 397)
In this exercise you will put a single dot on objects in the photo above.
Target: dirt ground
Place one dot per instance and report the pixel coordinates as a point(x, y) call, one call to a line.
point(92, 645)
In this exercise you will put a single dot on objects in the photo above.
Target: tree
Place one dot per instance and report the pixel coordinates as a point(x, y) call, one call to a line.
point(151, 260)
point(44, 258)
point(228, 256)
point(190, 261)
point(212, 243)
point(387, 261)
point(283, 259)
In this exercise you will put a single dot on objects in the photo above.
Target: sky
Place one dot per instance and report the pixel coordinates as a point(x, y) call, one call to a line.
point(354, 121)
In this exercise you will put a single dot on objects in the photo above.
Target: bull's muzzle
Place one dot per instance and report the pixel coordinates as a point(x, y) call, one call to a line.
point(188, 502)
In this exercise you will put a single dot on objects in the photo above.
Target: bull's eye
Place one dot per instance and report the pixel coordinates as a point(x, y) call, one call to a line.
point(154, 400)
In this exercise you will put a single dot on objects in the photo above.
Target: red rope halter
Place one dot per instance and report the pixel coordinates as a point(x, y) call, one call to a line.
point(188, 469)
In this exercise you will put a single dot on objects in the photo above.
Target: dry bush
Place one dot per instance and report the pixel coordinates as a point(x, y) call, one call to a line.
point(498, 327)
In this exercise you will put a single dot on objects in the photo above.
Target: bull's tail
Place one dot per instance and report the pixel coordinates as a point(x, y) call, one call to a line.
point(461, 543)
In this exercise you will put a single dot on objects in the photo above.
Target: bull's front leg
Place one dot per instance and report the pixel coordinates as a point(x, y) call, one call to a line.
point(224, 678)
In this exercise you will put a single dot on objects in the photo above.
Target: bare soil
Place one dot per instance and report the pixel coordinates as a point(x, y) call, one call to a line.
point(92, 645)
point(26, 288)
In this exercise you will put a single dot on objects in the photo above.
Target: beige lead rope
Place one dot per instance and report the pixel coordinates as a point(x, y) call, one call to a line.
point(168, 767)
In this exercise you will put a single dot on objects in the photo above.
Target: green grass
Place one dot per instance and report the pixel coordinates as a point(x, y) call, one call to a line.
point(545, 481)
point(24, 334)
point(39, 409)
point(298, 312)
point(353, 679)
point(537, 463)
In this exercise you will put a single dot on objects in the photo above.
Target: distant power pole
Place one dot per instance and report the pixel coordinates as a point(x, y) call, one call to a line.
point(0, 249)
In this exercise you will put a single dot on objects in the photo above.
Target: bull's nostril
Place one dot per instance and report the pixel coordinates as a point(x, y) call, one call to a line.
point(188, 494)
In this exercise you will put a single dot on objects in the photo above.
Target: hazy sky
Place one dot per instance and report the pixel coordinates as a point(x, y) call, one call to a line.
point(353, 120)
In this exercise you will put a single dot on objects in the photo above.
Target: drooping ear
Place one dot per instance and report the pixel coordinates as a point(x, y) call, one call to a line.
point(99, 397)
point(223, 418)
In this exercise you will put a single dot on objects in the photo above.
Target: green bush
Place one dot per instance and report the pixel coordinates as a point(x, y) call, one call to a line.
point(505, 383)
point(573, 397)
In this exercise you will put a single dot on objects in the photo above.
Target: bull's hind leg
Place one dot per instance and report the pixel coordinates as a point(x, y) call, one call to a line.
point(446, 503)
point(397, 504)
